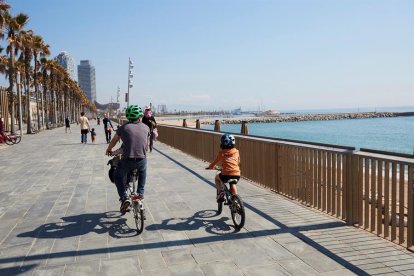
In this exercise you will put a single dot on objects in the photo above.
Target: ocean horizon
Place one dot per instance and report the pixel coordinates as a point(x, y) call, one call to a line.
point(395, 134)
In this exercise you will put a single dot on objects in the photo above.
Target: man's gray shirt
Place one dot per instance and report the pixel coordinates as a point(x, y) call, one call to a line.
point(134, 136)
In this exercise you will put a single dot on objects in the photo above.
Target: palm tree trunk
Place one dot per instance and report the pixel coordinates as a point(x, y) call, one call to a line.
point(10, 94)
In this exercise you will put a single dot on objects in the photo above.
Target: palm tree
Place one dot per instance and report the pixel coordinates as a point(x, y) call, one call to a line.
point(45, 80)
point(24, 42)
point(13, 25)
point(39, 47)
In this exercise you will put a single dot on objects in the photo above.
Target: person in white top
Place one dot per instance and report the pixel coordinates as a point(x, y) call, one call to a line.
point(84, 126)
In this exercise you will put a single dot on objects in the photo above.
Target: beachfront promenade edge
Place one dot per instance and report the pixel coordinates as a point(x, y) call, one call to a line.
point(371, 191)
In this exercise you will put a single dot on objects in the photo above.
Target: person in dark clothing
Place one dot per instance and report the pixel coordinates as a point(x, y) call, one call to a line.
point(149, 120)
point(67, 123)
point(108, 127)
point(2, 134)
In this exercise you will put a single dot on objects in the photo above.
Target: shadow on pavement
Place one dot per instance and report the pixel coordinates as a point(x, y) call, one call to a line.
point(110, 223)
point(71, 226)
point(199, 220)
point(17, 270)
point(296, 231)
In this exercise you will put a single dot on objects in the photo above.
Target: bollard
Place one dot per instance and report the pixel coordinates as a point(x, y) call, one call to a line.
point(244, 129)
point(217, 126)
point(198, 123)
point(184, 122)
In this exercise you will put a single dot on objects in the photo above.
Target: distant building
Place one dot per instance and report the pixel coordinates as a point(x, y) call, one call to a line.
point(162, 108)
point(67, 62)
point(86, 79)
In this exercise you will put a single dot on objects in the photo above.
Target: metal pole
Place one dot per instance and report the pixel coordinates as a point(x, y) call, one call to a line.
point(129, 69)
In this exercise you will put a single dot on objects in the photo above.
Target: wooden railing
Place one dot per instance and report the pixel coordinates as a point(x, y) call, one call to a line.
point(368, 190)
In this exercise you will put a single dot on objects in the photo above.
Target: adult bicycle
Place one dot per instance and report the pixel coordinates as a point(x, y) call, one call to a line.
point(11, 139)
point(137, 206)
point(136, 201)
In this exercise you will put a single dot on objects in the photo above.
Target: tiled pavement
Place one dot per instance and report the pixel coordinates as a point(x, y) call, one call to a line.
point(58, 216)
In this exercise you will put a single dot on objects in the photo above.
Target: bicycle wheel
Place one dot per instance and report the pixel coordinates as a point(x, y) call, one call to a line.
point(139, 217)
point(9, 142)
point(16, 139)
point(237, 212)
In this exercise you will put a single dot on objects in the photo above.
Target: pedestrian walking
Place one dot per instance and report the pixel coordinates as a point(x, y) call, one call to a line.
point(93, 135)
point(149, 120)
point(84, 126)
point(108, 127)
point(67, 123)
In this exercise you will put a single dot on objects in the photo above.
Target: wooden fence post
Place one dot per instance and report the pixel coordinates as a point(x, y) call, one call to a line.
point(410, 231)
point(217, 126)
point(198, 123)
point(244, 130)
point(184, 122)
point(352, 193)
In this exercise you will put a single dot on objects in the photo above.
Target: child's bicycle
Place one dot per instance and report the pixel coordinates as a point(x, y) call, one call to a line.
point(136, 203)
point(11, 139)
point(234, 202)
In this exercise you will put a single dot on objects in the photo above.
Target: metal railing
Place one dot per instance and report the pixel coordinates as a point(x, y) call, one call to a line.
point(366, 189)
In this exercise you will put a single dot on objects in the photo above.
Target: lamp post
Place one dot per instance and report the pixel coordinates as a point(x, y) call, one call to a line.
point(118, 111)
point(130, 76)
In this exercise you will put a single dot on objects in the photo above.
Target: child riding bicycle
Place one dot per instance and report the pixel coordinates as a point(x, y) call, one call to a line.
point(229, 158)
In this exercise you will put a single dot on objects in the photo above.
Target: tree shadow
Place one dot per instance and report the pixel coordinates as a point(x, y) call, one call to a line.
point(17, 270)
point(78, 225)
point(199, 220)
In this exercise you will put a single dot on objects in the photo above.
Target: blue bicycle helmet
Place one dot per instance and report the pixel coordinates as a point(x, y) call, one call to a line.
point(227, 141)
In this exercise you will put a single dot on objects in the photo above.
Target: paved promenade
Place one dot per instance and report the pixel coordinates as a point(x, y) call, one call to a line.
point(59, 216)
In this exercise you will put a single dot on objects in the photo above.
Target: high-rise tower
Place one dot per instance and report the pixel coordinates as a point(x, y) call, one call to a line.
point(67, 62)
point(86, 79)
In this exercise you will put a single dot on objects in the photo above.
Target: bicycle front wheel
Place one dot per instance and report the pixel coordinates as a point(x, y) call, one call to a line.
point(139, 217)
point(237, 212)
point(16, 139)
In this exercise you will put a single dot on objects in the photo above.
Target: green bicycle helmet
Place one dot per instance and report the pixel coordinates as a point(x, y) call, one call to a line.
point(133, 112)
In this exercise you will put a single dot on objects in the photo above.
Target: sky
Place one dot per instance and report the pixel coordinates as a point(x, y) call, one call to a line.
point(225, 54)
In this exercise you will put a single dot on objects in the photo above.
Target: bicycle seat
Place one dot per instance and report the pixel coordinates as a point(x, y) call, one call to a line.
point(232, 181)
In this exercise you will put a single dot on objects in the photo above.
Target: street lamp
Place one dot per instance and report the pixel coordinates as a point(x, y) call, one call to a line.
point(130, 76)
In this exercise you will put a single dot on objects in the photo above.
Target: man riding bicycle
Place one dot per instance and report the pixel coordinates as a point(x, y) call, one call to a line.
point(134, 136)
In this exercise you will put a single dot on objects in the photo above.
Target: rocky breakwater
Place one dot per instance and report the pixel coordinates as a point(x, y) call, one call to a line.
point(305, 117)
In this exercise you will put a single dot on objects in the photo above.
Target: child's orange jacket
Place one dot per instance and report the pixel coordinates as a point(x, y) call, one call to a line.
point(230, 160)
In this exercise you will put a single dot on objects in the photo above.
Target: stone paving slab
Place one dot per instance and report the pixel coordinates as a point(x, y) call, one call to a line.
point(59, 216)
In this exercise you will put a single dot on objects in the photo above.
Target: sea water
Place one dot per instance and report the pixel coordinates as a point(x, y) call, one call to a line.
point(394, 134)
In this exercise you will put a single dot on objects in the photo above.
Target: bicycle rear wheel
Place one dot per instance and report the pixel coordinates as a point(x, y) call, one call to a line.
point(237, 212)
point(138, 216)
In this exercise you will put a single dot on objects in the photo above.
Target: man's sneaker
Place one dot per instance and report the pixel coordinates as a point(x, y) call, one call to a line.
point(141, 196)
point(220, 197)
point(125, 205)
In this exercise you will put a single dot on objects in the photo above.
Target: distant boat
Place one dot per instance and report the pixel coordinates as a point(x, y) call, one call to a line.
point(268, 113)
point(271, 112)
